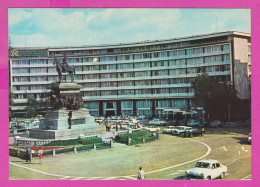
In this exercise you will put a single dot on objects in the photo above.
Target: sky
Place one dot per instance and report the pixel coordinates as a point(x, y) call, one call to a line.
point(48, 27)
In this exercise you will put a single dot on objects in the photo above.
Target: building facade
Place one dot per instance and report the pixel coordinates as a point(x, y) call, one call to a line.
point(141, 78)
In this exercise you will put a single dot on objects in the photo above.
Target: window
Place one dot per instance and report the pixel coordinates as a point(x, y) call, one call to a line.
point(172, 53)
point(189, 52)
point(209, 69)
point(226, 47)
point(249, 58)
point(180, 52)
point(249, 48)
point(126, 104)
point(216, 48)
point(198, 50)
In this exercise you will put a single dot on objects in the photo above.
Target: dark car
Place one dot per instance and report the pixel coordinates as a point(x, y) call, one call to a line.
point(192, 132)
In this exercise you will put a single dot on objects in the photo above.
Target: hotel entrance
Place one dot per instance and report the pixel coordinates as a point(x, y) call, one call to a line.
point(109, 108)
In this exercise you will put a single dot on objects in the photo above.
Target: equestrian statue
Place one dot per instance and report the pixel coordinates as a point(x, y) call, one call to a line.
point(64, 67)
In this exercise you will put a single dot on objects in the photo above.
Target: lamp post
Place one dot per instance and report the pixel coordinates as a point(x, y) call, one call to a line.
point(146, 112)
point(229, 87)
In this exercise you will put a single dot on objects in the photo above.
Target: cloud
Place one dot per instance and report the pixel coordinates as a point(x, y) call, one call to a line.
point(67, 27)
point(16, 15)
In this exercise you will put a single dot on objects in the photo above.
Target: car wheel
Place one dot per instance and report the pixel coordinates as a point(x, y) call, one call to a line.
point(208, 178)
point(161, 124)
point(191, 135)
point(222, 175)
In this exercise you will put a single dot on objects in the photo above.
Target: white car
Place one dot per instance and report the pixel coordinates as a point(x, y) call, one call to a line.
point(179, 129)
point(157, 122)
point(152, 129)
point(169, 129)
point(207, 170)
point(36, 121)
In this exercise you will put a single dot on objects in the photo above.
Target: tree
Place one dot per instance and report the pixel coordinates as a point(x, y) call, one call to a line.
point(11, 102)
point(32, 106)
point(213, 96)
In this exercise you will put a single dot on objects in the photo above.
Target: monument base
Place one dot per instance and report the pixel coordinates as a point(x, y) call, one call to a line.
point(67, 133)
point(58, 119)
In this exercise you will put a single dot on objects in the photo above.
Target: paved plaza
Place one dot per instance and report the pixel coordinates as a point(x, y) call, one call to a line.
point(165, 159)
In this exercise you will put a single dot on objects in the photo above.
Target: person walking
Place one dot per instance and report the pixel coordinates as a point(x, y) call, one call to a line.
point(28, 154)
point(141, 174)
point(40, 154)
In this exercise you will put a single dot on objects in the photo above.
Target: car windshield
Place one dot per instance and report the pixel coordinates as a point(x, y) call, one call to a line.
point(180, 128)
point(202, 165)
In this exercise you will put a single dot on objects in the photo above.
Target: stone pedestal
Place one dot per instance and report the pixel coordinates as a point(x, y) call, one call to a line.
point(59, 119)
point(67, 121)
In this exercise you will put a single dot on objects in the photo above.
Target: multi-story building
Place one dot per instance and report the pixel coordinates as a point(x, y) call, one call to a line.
point(141, 78)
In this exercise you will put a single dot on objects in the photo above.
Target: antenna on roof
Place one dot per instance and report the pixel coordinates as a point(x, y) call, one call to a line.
point(9, 43)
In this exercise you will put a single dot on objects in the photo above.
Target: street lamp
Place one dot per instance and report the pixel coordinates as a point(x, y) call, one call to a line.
point(146, 112)
point(229, 86)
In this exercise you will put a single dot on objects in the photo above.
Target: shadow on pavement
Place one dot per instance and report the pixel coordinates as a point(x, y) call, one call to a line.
point(243, 141)
point(228, 130)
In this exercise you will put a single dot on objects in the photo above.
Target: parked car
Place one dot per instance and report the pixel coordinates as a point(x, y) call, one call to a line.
point(158, 122)
point(169, 129)
point(152, 129)
point(36, 121)
point(179, 129)
point(249, 138)
point(207, 170)
point(99, 119)
point(192, 132)
point(216, 123)
point(141, 117)
point(193, 123)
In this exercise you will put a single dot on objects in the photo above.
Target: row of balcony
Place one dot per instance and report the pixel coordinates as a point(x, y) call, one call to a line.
point(190, 75)
point(127, 97)
point(131, 61)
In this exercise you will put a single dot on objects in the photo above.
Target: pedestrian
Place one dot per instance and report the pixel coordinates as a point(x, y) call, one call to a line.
point(106, 126)
point(28, 154)
point(40, 154)
point(116, 127)
point(109, 128)
point(32, 155)
point(141, 174)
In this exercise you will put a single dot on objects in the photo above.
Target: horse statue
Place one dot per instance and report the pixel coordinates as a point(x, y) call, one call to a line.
point(64, 67)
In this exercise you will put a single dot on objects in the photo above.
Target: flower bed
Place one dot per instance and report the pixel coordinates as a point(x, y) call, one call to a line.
point(37, 148)
point(61, 146)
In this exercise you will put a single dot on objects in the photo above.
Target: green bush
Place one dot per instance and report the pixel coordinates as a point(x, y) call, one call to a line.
point(136, 137)
point(83, 141)
point(93, 140)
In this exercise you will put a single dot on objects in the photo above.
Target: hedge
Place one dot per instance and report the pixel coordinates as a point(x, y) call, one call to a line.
point(136, 137)
point(83, 141)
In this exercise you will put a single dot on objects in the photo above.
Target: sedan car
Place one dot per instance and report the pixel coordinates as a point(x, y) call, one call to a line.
point(207, 170)
point(179, 129)
point(191, 132)
point(158, 122)
point(169, 129)
point(152, 129)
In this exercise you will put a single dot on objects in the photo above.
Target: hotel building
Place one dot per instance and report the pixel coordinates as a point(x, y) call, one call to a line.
point(143, 78)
